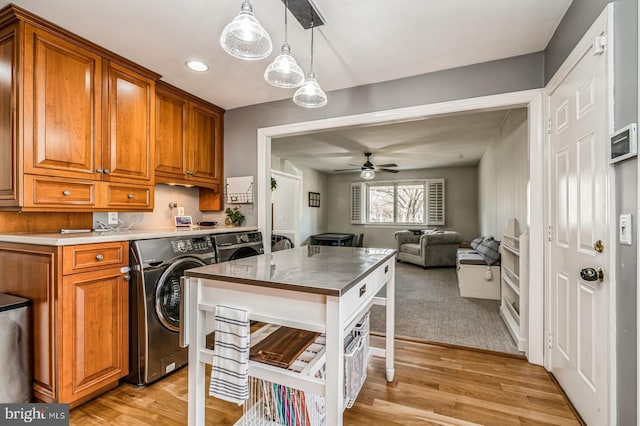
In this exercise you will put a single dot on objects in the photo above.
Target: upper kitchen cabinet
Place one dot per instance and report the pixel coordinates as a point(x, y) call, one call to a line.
point(77, 122)
point(189, 139)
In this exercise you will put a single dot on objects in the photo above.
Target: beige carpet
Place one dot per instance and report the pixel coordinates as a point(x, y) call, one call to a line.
point(429, 307)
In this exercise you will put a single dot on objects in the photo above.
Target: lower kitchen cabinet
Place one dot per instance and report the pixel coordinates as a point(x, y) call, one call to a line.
point(80, 315)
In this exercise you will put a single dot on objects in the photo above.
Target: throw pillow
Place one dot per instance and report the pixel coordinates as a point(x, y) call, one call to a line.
point(476, 241)
point(489, 249)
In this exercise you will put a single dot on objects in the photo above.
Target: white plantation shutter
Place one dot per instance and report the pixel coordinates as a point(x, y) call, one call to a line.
point(358, 208)
point(435, 202)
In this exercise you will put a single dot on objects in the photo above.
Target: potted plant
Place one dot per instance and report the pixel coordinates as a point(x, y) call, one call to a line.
point(234, 216)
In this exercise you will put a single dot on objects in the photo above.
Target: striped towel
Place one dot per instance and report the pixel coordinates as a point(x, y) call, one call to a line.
point(230, 372)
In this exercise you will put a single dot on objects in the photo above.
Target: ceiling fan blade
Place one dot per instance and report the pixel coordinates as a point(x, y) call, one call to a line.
point(347, 170)
point(390, 170)
point(387, 165)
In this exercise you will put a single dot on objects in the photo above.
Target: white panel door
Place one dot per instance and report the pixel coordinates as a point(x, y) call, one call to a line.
point(578, 200)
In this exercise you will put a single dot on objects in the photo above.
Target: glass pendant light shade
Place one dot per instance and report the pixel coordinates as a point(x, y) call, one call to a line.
point(284, 71)
point(244, 37)
point(367, 174)
point(310, 95)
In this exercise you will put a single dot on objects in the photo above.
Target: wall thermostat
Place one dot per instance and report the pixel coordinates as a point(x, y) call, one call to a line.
point(183, 221)
point(624, 143)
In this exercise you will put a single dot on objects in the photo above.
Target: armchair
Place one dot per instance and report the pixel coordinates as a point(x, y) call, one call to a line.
point(428, 248)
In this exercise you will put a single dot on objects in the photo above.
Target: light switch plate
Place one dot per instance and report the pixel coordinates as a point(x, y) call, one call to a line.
point(112, 218)
point(626, 230)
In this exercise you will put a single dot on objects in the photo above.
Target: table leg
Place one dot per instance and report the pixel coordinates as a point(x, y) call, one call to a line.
point(334, 379)
point(391, 317)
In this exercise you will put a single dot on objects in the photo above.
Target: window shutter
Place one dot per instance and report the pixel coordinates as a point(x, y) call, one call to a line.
point(435, 202)
point(358, 209)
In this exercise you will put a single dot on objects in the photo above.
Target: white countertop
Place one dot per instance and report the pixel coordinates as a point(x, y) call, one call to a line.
point(58, 239)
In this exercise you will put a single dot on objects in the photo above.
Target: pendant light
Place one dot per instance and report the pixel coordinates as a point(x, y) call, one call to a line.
point(244, 37)
point(310, 95)
point(284, 70)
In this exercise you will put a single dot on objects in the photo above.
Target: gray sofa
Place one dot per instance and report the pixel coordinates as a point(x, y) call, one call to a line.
point(428, 248)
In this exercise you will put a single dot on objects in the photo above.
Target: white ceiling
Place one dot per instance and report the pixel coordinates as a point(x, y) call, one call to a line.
point(362, 42)
point(449, 140)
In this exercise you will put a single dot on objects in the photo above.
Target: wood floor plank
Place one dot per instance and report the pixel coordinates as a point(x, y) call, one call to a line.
point(434, 385)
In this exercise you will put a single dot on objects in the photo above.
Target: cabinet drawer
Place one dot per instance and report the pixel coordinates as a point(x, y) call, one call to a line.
point(56, 192)
point(124, 196)
point(359, 295)
point(385, 271)
point(87, 257)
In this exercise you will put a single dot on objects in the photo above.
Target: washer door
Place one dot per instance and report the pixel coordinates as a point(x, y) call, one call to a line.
point(244, 252)
point(167, 298)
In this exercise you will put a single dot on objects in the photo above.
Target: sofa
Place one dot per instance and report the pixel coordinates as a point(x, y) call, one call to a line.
point(428, 248)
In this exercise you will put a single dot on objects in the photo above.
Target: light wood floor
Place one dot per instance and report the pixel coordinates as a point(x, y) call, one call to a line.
point(434, 385)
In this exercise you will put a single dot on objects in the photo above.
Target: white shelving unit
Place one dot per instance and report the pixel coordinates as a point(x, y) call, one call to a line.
point(514, 288)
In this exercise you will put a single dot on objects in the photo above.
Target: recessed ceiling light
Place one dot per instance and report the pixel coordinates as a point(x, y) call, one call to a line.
point(197, 66)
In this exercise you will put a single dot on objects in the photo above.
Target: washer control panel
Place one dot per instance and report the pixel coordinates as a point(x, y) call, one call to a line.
point(196, 244)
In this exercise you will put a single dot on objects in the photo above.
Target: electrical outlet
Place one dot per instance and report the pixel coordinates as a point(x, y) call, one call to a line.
point(112, 218)
point(180, 211)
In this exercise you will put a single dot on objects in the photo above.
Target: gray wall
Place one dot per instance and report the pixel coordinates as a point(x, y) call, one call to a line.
point(461, 204)
point(489, 78)
point(578, 19)
point(504, 176)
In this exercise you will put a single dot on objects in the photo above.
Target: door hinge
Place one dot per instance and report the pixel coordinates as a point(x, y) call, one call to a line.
point(549, 233)
point(599, 45)
point(550, 340)
point(548, 125)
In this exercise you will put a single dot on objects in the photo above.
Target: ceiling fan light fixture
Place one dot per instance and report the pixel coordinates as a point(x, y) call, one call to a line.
point(367, 174)
point(244, 37)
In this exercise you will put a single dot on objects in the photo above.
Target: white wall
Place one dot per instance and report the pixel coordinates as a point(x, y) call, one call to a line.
point(314, 219)
point(461, 204)
point(503, 172)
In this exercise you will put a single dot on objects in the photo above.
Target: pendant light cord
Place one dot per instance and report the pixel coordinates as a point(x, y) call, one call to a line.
point(286, 7)
point(311, 68)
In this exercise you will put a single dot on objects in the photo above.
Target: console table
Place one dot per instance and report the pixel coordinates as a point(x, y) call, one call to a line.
point(321, 289)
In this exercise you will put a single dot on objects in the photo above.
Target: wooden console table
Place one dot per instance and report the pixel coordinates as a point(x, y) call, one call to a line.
point(321, 289)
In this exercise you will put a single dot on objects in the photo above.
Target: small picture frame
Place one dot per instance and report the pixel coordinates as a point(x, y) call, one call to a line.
point(314, 199)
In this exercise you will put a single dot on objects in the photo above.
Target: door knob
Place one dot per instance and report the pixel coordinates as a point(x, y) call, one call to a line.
point(592, 274)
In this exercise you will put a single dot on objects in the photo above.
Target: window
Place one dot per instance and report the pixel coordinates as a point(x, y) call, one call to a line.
point(398, 202)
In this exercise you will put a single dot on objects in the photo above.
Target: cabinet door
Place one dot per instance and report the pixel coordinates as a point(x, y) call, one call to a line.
point(29, 271)
point(8, 129)
point(94, 332)
point(171, 135)
point(62, 95)
point(205, 156)
point(129, 130)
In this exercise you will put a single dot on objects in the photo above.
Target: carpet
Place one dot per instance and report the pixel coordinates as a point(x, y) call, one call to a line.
point(429, 307)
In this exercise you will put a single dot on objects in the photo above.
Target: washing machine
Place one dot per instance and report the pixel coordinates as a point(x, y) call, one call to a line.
point(154, 300)
point(236, 245)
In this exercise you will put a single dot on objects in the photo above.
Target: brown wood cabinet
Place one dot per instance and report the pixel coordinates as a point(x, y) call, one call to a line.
point(80, 315)
point(189, 139)
point(86, 120)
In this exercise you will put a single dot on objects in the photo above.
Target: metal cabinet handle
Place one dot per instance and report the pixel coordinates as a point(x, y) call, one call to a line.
point(127, 277)
point(189, 172)
point(98, 170)
point(106, 171)
point(99, 257)
point(130, 196)
point(66, 192)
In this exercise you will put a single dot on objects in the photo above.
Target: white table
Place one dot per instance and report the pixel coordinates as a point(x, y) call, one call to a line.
point(321, 289)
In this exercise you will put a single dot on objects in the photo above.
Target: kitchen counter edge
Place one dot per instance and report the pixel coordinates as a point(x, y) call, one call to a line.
point(59, 239)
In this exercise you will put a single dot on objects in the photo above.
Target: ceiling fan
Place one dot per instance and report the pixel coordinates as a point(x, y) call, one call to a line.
point(369, 167)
